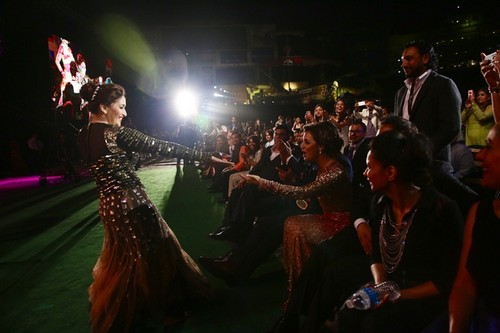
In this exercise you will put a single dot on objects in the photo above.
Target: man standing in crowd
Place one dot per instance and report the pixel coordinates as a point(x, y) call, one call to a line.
point(356, 152)
point(432, 103)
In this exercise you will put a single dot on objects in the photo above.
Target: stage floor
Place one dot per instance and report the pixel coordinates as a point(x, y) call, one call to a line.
point(50, 238)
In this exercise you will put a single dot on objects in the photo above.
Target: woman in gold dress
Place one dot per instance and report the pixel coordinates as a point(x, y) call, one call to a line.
point(143, 277)
point(321, 145)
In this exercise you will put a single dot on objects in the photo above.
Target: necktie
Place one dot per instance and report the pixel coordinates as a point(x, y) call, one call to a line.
point(410, 99)
point(350, 155)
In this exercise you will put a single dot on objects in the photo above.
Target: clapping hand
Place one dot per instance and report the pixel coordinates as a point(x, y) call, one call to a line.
point(284, 149)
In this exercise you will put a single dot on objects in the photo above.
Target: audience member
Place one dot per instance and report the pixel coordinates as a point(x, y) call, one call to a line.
point(432, 103)
point(327, 276)
point(320, 113)
point(491, 73)
point(246, 202)
point(356, 152)
point(417, 237)
point(477, 117)
point(342, 119)
point(297, 125)
point(309, 118)
point(474, 304)
point(321, 146)
point(269, 138)
point(237, 150)
point(370, 116)
point(462, 158)
point(251, 158)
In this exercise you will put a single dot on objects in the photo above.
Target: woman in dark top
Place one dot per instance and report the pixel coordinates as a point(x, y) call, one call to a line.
point(474, 304)
point(416, 238)
point(143, 275)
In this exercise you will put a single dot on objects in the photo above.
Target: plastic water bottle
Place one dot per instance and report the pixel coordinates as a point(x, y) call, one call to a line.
point(370, 297)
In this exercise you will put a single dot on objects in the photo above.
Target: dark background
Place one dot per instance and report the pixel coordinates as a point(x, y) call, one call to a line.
point(364, 39)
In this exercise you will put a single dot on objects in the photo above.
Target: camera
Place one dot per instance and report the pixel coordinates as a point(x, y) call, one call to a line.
point(490, 56)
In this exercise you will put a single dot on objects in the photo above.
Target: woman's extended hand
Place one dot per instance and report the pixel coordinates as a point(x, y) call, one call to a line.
point(251, 179)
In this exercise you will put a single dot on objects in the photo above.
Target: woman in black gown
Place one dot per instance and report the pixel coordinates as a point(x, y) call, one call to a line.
point(143, 275)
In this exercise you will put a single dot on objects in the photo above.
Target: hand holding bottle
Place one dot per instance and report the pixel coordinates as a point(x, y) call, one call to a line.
point(372, 296)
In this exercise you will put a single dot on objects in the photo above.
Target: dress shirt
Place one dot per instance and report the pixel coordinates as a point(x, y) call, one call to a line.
point(417, 84)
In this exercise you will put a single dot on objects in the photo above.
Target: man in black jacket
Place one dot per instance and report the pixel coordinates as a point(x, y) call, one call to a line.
point(432, 103)
point(356, 152)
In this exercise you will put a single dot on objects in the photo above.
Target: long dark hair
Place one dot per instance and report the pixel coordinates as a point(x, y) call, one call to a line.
point(410, 153)
point(327, 135)
point(256, 139)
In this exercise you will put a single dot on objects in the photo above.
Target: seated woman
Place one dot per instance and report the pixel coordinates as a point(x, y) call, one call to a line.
point(254, 154)
point(416, 235)
point(321, 146)
point(338, 265)
point(474, 304)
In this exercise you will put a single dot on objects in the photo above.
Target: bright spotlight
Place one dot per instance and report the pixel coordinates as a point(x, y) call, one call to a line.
point(186, 103)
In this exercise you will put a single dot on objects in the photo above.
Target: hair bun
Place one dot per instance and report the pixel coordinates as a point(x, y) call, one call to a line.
point(87, 90)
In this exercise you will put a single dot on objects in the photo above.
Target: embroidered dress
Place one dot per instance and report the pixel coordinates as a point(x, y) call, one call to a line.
point(303, 232)
point(142, 274)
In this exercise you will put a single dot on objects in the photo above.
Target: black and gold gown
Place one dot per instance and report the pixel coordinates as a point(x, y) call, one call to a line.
point(142, 274)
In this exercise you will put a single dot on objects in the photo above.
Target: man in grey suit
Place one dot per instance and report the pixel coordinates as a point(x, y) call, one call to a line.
point(432, 103)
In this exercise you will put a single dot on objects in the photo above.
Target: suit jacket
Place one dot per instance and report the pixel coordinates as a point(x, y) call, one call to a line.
point(266, 168)
point(436, 112)
point(358, 162)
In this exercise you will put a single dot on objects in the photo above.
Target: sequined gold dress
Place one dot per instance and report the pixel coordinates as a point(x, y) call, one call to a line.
point(142, 274)
point(303, 232)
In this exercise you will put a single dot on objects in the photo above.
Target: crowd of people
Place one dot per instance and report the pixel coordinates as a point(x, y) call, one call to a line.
point(406, 206)
point(355, 196)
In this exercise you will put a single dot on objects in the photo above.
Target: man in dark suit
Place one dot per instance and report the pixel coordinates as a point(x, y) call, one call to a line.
point(246, 201)
point(356, 152)
point(432, 103)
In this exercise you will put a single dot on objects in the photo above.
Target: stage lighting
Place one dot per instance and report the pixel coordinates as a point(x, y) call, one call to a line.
point(186, 103)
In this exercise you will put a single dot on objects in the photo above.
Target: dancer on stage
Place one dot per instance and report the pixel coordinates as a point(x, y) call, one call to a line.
point(143, 277)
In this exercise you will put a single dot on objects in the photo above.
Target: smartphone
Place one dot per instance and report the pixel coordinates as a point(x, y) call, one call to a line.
point(490, 56)
point(470, 94)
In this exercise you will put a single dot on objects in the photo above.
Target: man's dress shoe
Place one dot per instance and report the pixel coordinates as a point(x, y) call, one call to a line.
point(223, 233)
point(221, 268)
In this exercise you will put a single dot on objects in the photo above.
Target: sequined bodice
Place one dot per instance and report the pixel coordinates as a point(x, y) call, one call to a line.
point(114, 172)
point(331, 187)
point(111, 157)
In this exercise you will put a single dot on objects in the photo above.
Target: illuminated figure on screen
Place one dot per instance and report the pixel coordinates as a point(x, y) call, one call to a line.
point(63, 61)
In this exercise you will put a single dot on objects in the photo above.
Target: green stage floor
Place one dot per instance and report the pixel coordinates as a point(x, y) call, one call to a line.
point(50, 238)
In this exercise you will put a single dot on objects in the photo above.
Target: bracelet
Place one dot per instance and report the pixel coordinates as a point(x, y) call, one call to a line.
point(494, 90)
